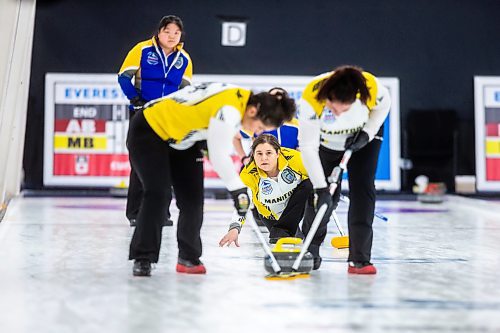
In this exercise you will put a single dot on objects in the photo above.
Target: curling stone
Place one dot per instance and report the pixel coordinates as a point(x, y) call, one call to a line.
point(434, 193)
point(286, 251)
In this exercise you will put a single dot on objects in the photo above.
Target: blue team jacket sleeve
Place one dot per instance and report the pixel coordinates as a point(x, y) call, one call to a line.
point(128, 88)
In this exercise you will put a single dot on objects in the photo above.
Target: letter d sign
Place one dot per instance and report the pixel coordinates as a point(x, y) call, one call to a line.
point(234, 33)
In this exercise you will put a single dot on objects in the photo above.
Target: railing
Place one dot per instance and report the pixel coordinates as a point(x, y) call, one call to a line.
point(17, 19)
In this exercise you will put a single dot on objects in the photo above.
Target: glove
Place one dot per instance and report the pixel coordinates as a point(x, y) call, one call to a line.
point(241, 200)
point(138, 103)
point(356, 142)
point(323, 196)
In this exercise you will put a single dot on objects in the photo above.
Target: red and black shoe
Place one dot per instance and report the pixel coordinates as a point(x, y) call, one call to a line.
point(190, 266)
point(361, 268)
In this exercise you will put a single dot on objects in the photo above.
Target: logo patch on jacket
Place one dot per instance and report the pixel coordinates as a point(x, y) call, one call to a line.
point(178, 64)
point(267, 187)
point(288, 176)
point(152, 58)
point(328, 116)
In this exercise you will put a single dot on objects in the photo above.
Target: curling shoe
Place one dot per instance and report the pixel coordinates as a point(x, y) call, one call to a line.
point(142, 267)
point(317, 262)
point(314, 249)
point(190, 266)
point(361, 268)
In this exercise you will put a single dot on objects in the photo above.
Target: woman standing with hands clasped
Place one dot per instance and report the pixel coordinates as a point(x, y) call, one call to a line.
point(159, 66)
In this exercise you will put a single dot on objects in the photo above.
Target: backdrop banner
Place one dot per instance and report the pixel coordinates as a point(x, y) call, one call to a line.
point(487, 121)
point(86, 124)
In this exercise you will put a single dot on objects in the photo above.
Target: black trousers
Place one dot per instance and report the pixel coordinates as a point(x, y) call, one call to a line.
point(289, 220)
point(361, 167)
point(134, 194)
point(160, 167)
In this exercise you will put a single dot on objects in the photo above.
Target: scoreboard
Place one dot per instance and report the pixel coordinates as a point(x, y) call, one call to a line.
point(86, 123)
point(487, 125)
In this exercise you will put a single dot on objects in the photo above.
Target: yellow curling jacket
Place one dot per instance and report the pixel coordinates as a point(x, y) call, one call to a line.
point(184, 116)
point(320, 126)
point(311, 90)
point(271, 196)
point(336, 129)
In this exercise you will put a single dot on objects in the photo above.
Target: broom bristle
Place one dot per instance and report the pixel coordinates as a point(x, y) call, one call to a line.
point(287, 276)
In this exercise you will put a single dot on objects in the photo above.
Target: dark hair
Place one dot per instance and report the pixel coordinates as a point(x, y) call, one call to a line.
point(273, 110)
point(278, 91)
point(264, 138)
point(166, 20)
point(344, 85)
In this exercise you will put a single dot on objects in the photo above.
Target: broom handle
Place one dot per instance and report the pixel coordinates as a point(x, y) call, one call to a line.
point(377, 214)
point(322, 210)
point(267, 249)
point(310, 235)
point(337, 223)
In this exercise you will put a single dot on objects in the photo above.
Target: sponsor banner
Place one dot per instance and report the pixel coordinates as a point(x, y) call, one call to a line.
point(209, 171)
point(79, 142)
point(85, 165)
point(493, 169)
point(96, 111)
point(487, 125)
point(491, 96)
point(87, 115)
point(388, 176)
point(86, 124)
point(91, 89)
point(80, 126)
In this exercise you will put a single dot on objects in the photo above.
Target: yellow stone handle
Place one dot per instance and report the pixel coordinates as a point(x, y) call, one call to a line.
point(286, 241)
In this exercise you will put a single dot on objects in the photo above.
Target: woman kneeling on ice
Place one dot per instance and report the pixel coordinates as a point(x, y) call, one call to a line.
point(280, 187)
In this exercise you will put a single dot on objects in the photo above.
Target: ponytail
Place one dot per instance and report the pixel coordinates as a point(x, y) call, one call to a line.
point(273, 109)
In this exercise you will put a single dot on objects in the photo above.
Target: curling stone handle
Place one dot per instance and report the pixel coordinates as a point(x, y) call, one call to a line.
point(286, 241)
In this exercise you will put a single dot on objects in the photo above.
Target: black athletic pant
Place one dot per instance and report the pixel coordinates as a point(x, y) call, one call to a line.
point(159, 167)
point(289, 220)
point(134, 193)
point(361, 167)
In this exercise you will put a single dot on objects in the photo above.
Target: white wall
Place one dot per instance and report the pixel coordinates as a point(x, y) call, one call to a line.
point(17, 18)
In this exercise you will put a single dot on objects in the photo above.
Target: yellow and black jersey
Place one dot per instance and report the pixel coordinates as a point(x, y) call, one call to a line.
point(320, 126)
point(312, 88)
point(270, 195)
point(210, 111)
point(336, 129)
point(185, 115)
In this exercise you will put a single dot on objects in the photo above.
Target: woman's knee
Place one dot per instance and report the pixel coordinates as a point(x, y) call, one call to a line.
point(155, 191)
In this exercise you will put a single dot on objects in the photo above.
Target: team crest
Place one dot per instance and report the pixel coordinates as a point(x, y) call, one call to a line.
point(267, 187)
point(288, 176)
point(178, 64)
point(328, 116)
point(152, 58)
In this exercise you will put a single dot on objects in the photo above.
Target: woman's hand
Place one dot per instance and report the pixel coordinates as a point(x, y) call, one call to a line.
point(230, 237)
